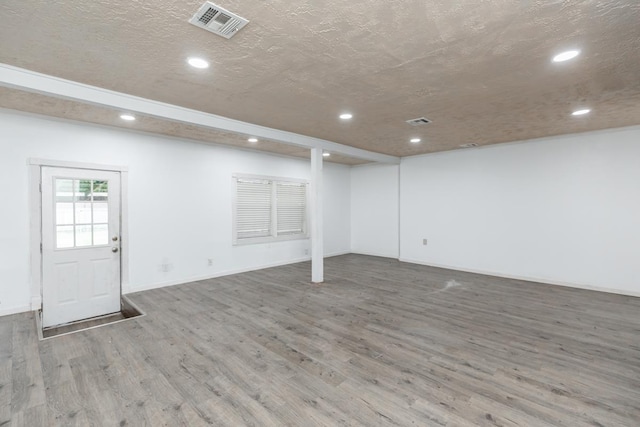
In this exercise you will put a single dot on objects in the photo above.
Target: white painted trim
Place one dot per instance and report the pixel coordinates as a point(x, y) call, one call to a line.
point(316, 218)
point(229, 273)
point(273, 238)
point(76, 165)
point(140, 288)
point(339, 253)
point(35, 236)
point(554, 138)
point(525, 278)
point(378, 254)
point(124, 230)
point(268, 239)
point(220, 145)
point(270, 178)
point(31, 81)
point(35, 221)
point(399, 224)
point(15, 310)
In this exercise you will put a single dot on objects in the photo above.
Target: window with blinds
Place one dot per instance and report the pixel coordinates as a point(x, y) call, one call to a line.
point(268, 209)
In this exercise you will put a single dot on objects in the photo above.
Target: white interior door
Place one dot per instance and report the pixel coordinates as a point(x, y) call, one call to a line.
point(80, 244)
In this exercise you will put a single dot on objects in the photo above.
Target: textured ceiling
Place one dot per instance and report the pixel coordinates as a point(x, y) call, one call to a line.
point(480, 70)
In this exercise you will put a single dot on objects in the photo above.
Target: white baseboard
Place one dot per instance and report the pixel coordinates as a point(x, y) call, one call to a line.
point(336, 254)
point(14, 310)
point(374, 254)
point(526, 278)
point(130, 289)
point(139, 288)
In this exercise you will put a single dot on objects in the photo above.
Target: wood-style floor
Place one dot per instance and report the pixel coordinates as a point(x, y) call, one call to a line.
point(380, 343)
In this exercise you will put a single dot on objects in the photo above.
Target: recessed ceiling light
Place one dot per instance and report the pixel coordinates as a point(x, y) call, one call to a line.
point(346, 116)
point(252, 139)
point(581, 112)
point(415, 140)
point(198, 62)
point(565, 56)
point(127, 117)
point(326, 154)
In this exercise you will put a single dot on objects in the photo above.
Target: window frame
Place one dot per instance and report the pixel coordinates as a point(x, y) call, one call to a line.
point(274, 209)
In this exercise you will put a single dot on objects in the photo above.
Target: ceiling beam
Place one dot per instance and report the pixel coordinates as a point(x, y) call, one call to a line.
point(23, 79)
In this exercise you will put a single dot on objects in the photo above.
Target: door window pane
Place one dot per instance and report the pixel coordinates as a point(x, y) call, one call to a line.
point(83, 193)
point(81, 212)
point(100, 191)
point(100, 234)
point(64, 213)
point(100, 213)
point(64, 190)
point(83, 235)
point(64, 236)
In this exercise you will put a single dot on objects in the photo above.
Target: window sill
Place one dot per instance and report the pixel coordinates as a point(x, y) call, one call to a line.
point(270, 239)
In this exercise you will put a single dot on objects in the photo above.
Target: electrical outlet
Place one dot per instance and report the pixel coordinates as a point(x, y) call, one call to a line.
point(306, 251)
point(209, 262)
point(166, 266)
point(424, 242)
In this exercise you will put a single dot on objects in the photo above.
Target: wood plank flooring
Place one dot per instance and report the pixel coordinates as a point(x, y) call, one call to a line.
point(381, 343)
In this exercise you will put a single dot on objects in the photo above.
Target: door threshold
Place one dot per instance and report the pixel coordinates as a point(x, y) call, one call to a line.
point(127, 311)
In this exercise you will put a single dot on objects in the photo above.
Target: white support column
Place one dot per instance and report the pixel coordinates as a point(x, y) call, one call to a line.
point(317, 247)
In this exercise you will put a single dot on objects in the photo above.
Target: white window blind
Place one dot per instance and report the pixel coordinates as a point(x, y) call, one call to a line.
point(269, 209)
point(253, 208)
point(292, 208)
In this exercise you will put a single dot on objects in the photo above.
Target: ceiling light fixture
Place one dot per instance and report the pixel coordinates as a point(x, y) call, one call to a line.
point(415, 140)
point(198, 62)
point(326, 154)
point(346, 116)
point(565, 56)
point(127, 117)
point(581, 112)
point(252, 139)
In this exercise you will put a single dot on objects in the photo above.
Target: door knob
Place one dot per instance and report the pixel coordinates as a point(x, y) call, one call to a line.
point(114, 249)
point(114, 238)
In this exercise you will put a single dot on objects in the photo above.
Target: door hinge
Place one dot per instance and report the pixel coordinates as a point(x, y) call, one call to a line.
point(40, 247)
point(40, 187)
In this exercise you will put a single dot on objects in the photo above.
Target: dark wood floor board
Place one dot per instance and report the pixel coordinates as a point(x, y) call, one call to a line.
point(380, 343)
point(521, 334)
point(34, 416)
point(5, 393)
point(27, 377)
point(578, 405)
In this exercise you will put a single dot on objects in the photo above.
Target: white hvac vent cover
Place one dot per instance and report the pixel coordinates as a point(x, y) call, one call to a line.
point(218, 20)
point(419, 121)
point(469, 145)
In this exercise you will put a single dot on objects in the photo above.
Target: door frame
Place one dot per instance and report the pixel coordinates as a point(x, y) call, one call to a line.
point(35, 221)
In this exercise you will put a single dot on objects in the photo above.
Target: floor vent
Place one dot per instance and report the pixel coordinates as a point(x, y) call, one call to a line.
point(419, 121)
point(469, 145)
point(218, 20)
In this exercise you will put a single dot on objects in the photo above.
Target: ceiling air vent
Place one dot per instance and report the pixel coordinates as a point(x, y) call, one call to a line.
point(418, 122)
point(218, 20)
point(469, 145)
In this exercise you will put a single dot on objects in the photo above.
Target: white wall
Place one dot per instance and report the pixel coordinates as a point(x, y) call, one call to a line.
point(179, 202)
point(336, 191)
point(560, 210)
point(374, 210)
